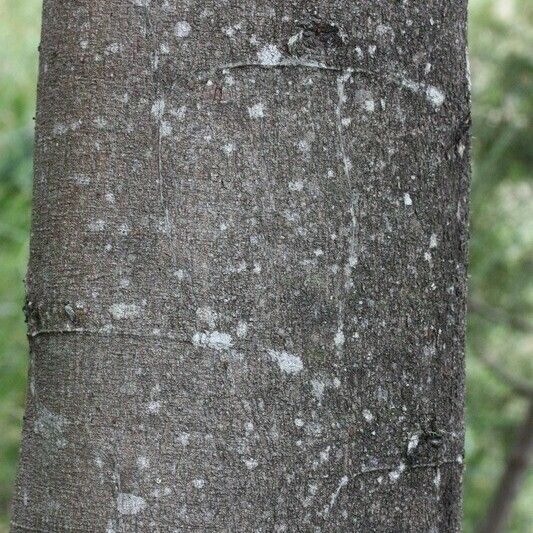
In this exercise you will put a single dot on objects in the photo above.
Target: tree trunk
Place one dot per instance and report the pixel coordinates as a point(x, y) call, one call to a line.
point(513, 476)
point(247, 274)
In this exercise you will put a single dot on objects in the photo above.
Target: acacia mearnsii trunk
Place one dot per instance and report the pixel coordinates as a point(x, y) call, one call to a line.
point(247, 275)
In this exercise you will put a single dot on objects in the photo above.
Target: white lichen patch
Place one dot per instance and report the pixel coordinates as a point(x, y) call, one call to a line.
point(369, 106)
point(97, 225)
point(198, 483)
point(242, 329)
point(142, 462)
point(184, 439)
point(318, 387)
point(296, 186)
point(299, 423)
point(60, 129)
point(112, 48)
point(121, 311)
point(81, 179)
point(158, 108)
point(367, 415)
point(339, 338)
point(165, 129)
point(130, 504)
point(179, 274)
point(395, 474)
point(228, 148)
point(124, 229)
point(251, 464)
point(154, 406)
point(304, 146)
point(435, 96)
point(288, 363)
point(257, 111)
point(182, 29)
point(436, 479)
point(433, 243)
point(407, 200)
point(342, 483)
point(50, 426)
point(207, 315)
point(179, 113)
point(214, 339)
point(269, 55)
point(413, 442)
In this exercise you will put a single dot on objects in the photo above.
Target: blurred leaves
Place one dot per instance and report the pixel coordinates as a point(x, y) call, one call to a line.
point(19, 35)
point(501, 247)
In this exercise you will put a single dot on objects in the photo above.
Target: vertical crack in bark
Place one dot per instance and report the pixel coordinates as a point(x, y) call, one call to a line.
point(352, 238)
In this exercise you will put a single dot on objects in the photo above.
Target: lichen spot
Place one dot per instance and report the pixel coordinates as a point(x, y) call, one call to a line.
point(367, 415)
point(412, 445)
point(154, 406)
point(207, 315)
point(228, 148)
point(130, 504)
point(97, 225)
point(318, 388)
point(288, 363)
point(242, 329)
point(407, 199)
point(369, 106)
point(339, 338)
point(214, 339)
point(269, 55)
point(433, 241)
point(142, 462)
point(165, 129)
point(251, 464)
point(395, 474)
point(182, 29)
point(435, 96)
point(256, 111)
point(296, 186)
point(198, 483)
point(121, 311)
point(303, 146)
point(158, 108)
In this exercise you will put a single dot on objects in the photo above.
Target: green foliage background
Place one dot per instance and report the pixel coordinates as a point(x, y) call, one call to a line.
point(501, 248)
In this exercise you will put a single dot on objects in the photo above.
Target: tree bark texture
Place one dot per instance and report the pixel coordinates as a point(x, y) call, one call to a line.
point(247, 274)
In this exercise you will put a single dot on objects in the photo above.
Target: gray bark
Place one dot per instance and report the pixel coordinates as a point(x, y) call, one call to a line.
point(247, 275)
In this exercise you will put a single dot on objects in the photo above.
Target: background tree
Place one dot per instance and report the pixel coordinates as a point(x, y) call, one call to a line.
point(488, 433)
